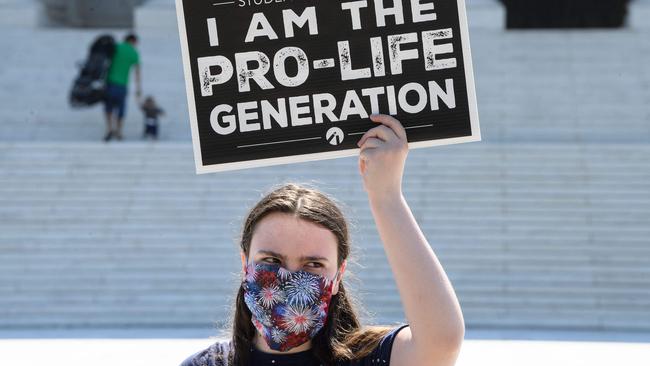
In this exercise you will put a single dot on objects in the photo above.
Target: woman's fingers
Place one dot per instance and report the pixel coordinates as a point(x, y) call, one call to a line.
point(382, 132)
point(391, 122)
point(366, 155)
point(370, 143)
point(382, 155)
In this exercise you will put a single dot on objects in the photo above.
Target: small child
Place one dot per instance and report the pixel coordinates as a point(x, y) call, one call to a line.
point(151, 113)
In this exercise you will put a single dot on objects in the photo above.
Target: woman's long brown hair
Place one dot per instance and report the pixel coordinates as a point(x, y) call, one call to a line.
point(342, 338)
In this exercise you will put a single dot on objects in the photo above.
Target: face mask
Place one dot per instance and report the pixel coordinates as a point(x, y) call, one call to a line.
point(288, 308)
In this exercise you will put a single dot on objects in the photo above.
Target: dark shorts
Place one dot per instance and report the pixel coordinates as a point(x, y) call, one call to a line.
point(151, 130)
point(115, 99)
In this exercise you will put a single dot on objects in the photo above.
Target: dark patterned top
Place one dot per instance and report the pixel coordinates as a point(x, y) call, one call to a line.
point(216, 355)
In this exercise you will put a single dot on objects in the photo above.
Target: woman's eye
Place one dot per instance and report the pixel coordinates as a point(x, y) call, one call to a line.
point(315, 265)
point(270, 260)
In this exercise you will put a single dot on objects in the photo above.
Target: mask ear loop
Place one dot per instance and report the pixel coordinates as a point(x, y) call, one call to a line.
point(336, 276)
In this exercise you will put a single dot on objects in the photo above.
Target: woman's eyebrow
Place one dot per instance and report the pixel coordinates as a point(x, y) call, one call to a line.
point(314, 258)
point(283, 257)
point(271, 253)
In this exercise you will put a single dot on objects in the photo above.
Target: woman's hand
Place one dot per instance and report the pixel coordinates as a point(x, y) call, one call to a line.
point(381, 161)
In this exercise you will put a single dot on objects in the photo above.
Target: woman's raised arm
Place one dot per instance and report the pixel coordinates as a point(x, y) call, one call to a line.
point(436, 326)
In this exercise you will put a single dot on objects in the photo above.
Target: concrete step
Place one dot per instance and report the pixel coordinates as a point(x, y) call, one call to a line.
point(553, 231)
point(518, 75)
point(513, 306)
point(517, 284)
point(15, 14)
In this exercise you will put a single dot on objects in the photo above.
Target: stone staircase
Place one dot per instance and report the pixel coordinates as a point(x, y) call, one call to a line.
point(532, 86)
point(552, 235)
point(544, 224)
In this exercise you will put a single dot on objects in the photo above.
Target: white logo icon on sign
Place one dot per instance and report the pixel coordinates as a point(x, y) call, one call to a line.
point(334, 136)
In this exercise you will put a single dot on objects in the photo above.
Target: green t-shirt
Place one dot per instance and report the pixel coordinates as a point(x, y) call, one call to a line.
point(125, 56)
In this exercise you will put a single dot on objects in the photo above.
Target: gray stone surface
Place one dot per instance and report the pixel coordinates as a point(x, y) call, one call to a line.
point(538, 86)
point(145, 352)
point(18, 13)
point(639, 13)
point(544, 224)
point(532, 235)
point(89, 13)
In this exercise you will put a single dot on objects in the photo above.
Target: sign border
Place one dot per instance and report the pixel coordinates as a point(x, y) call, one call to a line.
point(203, 169)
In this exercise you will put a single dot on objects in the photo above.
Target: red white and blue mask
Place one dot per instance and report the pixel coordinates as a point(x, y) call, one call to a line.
point(288, 308)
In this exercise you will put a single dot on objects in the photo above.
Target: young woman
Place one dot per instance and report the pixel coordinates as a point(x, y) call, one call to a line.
point(292, 307)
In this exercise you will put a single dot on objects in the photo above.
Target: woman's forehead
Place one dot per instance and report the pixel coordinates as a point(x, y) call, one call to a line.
point(288, 236)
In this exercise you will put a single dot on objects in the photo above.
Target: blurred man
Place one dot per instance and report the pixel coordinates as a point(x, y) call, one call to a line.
point(125, 56)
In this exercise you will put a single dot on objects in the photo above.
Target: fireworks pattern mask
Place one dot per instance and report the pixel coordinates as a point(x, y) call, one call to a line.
point(288, 308)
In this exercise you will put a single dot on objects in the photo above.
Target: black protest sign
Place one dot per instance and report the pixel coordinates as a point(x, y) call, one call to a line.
point(278, 81)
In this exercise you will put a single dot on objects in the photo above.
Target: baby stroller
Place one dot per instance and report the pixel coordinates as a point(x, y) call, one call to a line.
point(88, 87)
